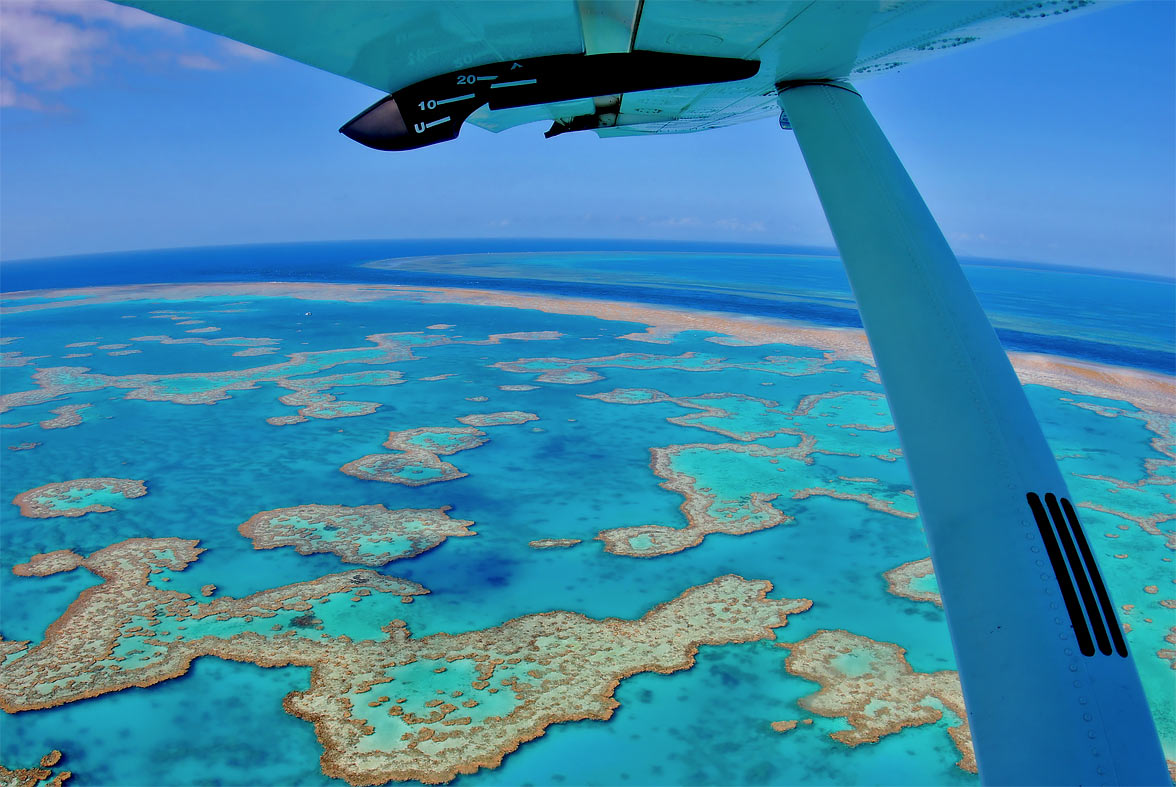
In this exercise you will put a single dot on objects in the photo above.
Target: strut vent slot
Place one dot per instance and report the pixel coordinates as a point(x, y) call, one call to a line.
point(1087, 601)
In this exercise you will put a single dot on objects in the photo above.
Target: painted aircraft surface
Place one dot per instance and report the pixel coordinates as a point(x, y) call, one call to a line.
point(1052, 694)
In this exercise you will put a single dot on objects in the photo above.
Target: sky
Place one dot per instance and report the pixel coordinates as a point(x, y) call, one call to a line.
point(120, 130)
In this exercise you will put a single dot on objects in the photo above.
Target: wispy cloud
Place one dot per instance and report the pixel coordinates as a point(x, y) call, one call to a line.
point(237, 49)
point(50, 45)
point(739, 225)
point(199, 62)
point(726, 225)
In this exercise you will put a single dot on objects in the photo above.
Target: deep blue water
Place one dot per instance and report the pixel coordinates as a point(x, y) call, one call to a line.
point(1110, 318)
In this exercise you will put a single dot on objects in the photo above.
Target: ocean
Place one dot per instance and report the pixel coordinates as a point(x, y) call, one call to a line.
point(627, 431)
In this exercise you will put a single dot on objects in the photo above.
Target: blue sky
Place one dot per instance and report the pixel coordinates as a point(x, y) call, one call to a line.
point(122, 131)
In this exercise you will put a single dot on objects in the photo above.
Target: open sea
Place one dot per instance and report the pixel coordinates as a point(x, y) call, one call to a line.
point(237, 382)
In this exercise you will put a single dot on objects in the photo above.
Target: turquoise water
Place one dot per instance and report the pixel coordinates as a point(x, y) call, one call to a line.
point(583, 467)
point(82, 498)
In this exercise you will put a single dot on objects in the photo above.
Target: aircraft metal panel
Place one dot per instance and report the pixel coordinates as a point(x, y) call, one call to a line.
point(387, 44)
point(392, 44)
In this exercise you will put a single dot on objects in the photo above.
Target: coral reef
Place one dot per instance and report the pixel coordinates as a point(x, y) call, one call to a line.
point(418, 458)
point(871, 685)
point(914, 580)
point(47, 563)
point(77, 497)
point(65, 416)
point(128, 632)
point(368, 535)
point(483, 420)
point(514, 680)
point(553, 543)
point(705, 511)
point(41, 776)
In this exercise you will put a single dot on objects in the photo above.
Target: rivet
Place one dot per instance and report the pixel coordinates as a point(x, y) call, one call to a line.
point(1061, 635)
point(1053, 605)
point(1086, 717)
point(1073, 668)
point(1040, 563)
point(1069, 651)
point(1081, 700)
point(1034, 549)
point(1090, 734)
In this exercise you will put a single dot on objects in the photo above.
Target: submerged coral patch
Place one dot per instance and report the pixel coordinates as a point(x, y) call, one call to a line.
point(418, 458)
point(286, 420)
point(368, 535)
point(706, 512)
point(126, 631)
point(409, 469)
point(294, 373)
point(733, 415)
point(914, 580)
point(41, 776)
point(871, 685)
point(310, 396)
point(47, 563)
point(577, 371)
point(828, 418)
point(262, 343)
point(736, 488)
point(64, 416)
point(572, 376)
point(787, 725)
point(77, 497)
point(463, 702)
point(17, 358)
point(553, 543)
point(483, 420)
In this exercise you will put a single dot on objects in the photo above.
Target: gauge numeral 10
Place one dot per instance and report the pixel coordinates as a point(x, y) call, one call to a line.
point(430, 104)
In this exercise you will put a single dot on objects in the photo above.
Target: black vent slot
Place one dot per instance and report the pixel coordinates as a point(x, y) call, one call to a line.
point(1087, 601)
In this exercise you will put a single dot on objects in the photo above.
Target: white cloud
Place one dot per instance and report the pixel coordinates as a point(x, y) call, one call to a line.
point(726, 224)
point(41, 50)
point(11, 96)
point(49, 45)
point(199, 62)
point(738, 225)
point(237, 49)
point(103, 12)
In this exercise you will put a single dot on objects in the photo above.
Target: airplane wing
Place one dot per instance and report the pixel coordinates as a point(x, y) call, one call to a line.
point(394, 44)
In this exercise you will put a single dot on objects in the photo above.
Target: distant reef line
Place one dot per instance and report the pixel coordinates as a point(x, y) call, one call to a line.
point(1146, 390)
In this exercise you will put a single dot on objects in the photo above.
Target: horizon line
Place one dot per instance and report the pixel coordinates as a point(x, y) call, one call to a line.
point(650, 244)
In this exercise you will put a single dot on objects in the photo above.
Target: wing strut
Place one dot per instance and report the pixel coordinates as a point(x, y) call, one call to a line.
point(1052, 695)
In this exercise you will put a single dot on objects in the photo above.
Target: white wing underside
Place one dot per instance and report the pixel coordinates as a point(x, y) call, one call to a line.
point(390, 44)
